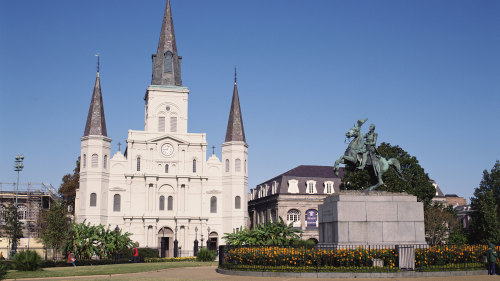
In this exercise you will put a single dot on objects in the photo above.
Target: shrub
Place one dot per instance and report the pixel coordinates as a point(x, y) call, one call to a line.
point(147, 253)
point(205, 254)
point(27, 260)
point(3, 270)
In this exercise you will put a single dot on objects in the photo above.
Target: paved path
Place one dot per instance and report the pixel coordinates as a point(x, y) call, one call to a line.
point(208, 273)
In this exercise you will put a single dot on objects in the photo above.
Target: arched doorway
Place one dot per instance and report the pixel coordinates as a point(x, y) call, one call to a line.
point(166, 242)
point(213, 242)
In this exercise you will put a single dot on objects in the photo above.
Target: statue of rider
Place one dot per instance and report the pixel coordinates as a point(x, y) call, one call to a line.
point(359, 153)
point(371, 149)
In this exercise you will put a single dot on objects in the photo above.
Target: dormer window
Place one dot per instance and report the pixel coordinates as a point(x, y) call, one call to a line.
point(274, 188)
point(328, 187)
point(311, 187)
point(293, 186)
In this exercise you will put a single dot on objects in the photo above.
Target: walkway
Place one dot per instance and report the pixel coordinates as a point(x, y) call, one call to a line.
point(208, 273)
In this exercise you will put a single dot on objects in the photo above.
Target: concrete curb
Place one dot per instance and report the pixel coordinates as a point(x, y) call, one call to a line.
point(402, 274)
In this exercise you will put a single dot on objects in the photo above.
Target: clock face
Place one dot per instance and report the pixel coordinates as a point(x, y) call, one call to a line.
point(167, 149)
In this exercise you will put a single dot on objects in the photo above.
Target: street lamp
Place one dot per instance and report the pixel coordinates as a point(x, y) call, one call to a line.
point(195, 248)
point(117, 230)
point(176, 244)
point(18, 167)
point(208, 235)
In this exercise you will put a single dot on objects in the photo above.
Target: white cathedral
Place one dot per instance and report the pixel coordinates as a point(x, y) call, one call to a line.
point(163, 187)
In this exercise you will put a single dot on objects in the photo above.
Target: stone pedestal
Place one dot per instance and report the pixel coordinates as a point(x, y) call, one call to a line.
point(371, 218)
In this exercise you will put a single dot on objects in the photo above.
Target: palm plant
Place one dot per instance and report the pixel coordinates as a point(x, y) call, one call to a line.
point(275, 233)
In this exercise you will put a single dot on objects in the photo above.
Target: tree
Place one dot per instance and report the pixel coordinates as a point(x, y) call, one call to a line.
point(96, 240)
point(55, 226)
point(440, 221)
point(485, 224)
point(69, 185)
point(275, 233)
point(13, 227)
point(416, 180)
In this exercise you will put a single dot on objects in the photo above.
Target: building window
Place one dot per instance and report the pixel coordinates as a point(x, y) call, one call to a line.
point(167, 63)
point(237, 202)
point(213, 204)
point(311, 187)
point(293, 216)
point(162, 203)
point(274, 188)
point(105, 162)
point(173, 124)
point(227, 165)
point(166, 168)
point(194, 165)
point(93, 199)
point(95, 160)
point(161, 124)
point(85, 160)
point(237, 165)
point(329, 188)
point(170, 203)
point(22, 211)
point(293, 186)
point(138, 164)
point(274, 215)
point(116, 203)
point(245, 167)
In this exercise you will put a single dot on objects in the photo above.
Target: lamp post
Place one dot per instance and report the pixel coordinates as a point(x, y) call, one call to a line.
point(18, 167)
point(162, 254)
point(208, 236)
point(176, 244)
point(117, 230)
point(195, 248)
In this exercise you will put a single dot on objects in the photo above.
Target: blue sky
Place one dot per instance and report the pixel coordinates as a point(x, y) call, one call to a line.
point(425, 72)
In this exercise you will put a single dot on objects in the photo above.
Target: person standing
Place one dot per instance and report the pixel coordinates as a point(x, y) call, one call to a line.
point(491, 255)
point(135, 254)
point(71, 259)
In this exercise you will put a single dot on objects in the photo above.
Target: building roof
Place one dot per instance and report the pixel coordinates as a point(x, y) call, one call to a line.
point(96, 123)
point(235, 130)
point(314, 171)
point(166, 62)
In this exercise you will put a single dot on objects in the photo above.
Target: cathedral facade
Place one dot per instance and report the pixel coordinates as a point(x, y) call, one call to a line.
point(163, 187)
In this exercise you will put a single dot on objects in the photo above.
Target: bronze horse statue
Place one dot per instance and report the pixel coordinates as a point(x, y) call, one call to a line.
point(353, 155)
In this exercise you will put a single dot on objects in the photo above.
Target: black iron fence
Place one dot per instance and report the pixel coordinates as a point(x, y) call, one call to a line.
point(358, 258)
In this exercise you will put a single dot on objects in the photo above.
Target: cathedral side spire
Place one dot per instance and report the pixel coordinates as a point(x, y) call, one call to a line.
point(166, 62)
point(96, 123)
point(235, 131)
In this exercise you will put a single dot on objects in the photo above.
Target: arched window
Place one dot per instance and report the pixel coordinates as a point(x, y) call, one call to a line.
point(237, 165)
point(161, 124)
point(85, 160)
point(227, 165)
point(194, 165)
point(93, 199)
point(167, 63)
point(245, 166)
point(162, 203)
point(116, 203)
point(95, 160)
point(166, 168)
point(170, 203)
point(138, 164)
point(105, 162)
point(173, 124)
point(293, 215)
point(213, 204)
point(237, 202)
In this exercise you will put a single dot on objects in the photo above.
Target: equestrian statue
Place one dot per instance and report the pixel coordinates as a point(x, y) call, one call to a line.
point(361, 154)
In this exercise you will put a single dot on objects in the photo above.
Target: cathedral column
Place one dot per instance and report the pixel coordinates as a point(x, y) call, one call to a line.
point(146, 235)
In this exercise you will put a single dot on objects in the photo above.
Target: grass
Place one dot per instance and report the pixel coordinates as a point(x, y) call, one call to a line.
point(108, 269)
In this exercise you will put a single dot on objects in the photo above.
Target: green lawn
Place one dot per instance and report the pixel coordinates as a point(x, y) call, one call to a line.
point(102, 269)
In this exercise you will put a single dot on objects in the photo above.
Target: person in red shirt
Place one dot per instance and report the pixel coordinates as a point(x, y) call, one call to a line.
point(135, 254)
point(71, 259)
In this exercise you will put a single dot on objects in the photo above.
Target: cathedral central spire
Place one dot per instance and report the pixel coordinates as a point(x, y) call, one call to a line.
point(166, 62)
point(235, 131)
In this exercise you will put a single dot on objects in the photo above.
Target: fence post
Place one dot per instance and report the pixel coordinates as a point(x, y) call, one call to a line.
point(221, 255)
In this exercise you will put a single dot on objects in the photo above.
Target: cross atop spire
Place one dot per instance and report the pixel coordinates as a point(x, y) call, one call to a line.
point(166, 62)
point(98, 64)
point(235, 131)
point(96, 123)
